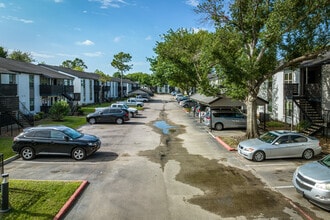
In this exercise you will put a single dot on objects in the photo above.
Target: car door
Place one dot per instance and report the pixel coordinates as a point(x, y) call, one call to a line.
point(285, 147)
point(105, 116)
point(59, 143)
point(240, 120)
point(40, 140)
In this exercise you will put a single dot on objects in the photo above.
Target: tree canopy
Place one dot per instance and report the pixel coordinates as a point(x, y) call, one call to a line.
point(252, 40)
point(21, 56)
point(76, 64)
point(3, 52)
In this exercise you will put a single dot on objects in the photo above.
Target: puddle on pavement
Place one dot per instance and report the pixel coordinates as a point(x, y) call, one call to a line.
point(166, 128)
point(228, 191)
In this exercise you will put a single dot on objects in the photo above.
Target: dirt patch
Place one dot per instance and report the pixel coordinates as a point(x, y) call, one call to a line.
point(228, 191)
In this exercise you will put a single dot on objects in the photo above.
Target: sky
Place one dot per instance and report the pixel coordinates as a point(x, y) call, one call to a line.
point(53, 31)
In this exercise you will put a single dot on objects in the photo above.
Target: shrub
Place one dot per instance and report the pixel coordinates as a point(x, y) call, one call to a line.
point(59, 110)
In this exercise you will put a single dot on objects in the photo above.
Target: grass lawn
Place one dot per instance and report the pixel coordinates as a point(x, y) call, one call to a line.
point(37, 199)
point(5, 147)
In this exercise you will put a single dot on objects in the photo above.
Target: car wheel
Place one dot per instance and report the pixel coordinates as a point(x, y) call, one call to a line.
point(308, 154)
point(259, 156)
point(27, 153)
point(119, 121)
point(139, 105)
point(92, 121)
point(219, 126)
point(78, 153)
point(132, 114)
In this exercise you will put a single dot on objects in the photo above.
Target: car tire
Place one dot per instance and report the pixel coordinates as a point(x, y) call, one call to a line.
point(132, 114)
point(259, 156)
point(308, 154)
point(92, 121)
point(139, 105)
point(78, 153)
point(218, 126)
point(119, 121)
point(27, 153)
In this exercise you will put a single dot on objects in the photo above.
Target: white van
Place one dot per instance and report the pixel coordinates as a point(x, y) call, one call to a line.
point(225, 119)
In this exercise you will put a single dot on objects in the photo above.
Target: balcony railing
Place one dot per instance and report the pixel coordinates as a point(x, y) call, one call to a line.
point(9, 103)
point(55, 90)
point(291, 89)
point(8, 89)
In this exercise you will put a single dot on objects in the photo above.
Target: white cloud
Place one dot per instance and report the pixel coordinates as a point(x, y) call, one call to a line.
point(95, 54)
point(109, 3)
point(41, 55)
point(2, 5)
point(58, 1)
point(86, 43)
point(117, 39)
point(18, 19)
point(193, 3)
point(66, 55)
point(148, 38)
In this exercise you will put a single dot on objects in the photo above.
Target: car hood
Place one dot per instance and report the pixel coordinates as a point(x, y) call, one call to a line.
point(88, 137)
point(315, 170)
point(132, 109)
point(255, 142)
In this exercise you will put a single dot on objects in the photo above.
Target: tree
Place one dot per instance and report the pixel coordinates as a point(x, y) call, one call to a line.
point(59, 110)
point(144, 79)
point(76, 64)
point(181, 60)
point(119, 62)
point(3, 52)
point(254, 39)
point(21, 56)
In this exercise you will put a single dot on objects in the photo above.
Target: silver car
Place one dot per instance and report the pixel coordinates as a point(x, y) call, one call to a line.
point(279, 144)
point(312, 180)
point(225, 119)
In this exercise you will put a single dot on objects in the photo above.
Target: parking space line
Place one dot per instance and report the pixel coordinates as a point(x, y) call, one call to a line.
point(271, 164)
point(283, 187)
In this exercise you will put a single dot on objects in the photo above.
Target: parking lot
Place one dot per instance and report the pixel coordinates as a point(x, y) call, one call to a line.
point(142, 173)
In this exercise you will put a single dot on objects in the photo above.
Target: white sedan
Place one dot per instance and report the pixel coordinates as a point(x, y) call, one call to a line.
point(279, 144)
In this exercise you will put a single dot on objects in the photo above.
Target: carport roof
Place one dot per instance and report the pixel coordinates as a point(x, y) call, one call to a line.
point(222, 101)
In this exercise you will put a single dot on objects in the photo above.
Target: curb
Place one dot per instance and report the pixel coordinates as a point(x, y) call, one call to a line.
point(11, 159)
point(229, 148)
point(73, 198)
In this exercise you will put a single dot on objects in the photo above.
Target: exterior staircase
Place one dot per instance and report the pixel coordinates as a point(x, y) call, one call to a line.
point(307, 109)
point(21, 119)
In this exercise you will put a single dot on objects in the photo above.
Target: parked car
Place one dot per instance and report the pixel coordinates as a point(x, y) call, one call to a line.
point(189, 103)
point(132, 111)
point(140, 98)
point(55, 139)
point(312, 180)
point(279, 144)
point(224, 119)
point(108, 115)
point(133, 102)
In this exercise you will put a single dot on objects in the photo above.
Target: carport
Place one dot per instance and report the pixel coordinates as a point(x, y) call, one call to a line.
point(224, 102)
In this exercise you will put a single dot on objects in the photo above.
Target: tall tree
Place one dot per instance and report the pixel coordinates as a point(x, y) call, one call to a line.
point(76, 64)
point(144, 79)
point(3, 52)
point(21, 56)
point(119, 62)
point(181, 61)
point(256, 38)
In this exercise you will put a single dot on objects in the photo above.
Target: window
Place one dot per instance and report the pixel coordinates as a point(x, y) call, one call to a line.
point(12, 79)
point(56, 135)
point(42, 134)
point(90, 90)
point(298, 138)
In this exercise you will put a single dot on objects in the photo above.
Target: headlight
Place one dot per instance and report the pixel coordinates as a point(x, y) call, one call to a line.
point(91, 144)
point(250, 149)
point(324, 186)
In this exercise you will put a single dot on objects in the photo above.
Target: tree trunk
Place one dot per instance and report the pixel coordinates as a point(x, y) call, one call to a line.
point(252, 125)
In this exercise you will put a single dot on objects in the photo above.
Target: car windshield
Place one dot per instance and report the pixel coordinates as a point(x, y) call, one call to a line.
point(72, 133)
point(268, 137)
point(125, 106)
point(325, 161)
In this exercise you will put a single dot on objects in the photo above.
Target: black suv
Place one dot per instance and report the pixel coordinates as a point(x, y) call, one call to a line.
point(55, 139)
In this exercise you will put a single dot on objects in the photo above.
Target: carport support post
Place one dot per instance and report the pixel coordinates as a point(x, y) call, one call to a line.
point(5, 193)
